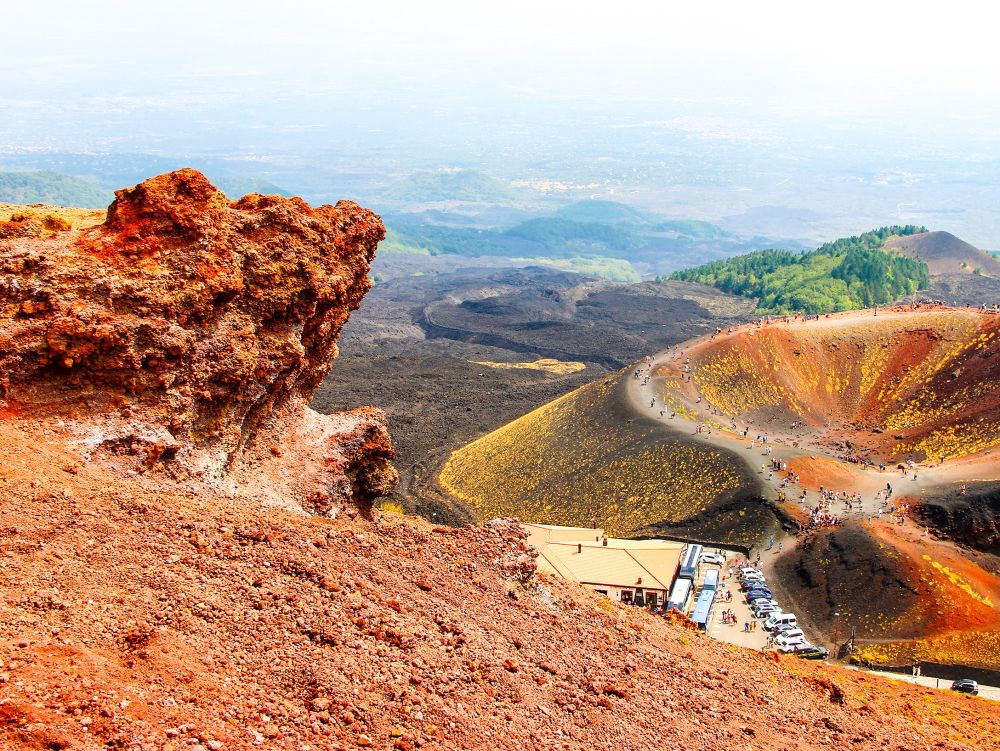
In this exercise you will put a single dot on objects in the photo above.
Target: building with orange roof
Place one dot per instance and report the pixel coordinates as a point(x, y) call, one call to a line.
point(633, 571)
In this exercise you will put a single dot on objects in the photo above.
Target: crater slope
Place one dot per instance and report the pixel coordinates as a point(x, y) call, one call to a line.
point(587, 459)
point(915, 390)
point(923, 385)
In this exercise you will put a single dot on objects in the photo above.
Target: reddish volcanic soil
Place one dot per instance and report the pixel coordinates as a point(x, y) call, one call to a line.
point(138, 614)
point(972, 609)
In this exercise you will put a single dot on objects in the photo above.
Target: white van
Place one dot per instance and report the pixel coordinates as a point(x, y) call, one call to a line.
point(788, 639)
point(781, 622)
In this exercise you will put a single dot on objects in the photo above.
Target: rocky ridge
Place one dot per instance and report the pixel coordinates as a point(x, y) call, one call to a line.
point(188, 333)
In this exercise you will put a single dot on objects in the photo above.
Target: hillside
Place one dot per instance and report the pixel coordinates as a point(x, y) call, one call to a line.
point(584, 460)
point(43, 186)
point(846, 274)
point(607, 243)
point(139, 612)
point(417, 344)
point(191, 558)
point(945, 254)
point(602, 212)
point(907, 400)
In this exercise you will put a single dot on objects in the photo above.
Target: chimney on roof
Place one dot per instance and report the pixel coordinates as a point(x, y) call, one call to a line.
point(604, 542)
point(579, 547)
point(639, 580)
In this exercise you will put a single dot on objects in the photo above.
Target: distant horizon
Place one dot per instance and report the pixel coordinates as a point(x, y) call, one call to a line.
point(858, 116)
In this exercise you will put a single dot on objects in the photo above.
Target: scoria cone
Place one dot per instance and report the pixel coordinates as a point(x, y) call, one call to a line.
point(189, 332)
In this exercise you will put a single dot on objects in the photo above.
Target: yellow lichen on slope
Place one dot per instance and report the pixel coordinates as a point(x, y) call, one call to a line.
point(578, 461)
point(546, 364)
point(72, 218)
point(913, 374)
point(976, 649)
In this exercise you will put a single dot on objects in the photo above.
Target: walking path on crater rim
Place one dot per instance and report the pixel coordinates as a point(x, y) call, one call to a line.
point(802, 448)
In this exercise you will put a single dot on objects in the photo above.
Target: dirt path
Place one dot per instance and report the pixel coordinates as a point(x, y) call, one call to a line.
point(645, 397)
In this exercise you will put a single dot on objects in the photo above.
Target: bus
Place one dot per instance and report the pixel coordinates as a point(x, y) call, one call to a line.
point(711, 580)
point(689, 562)
point(680, 595)
point(703, 609)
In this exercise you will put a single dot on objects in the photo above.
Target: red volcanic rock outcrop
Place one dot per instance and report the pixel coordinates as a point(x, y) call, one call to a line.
point(189, 332)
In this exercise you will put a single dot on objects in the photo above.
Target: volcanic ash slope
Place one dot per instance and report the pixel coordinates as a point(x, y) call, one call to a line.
point(587, 459)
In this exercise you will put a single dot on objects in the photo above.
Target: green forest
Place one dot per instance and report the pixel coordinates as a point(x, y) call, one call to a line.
point(52, 188)
point(853, 272)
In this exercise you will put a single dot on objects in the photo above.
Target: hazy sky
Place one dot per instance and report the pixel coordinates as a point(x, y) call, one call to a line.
point(816, 56)
point(710, 108)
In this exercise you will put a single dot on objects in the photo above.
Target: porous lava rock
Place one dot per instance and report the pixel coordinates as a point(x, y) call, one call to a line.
point(188, 332)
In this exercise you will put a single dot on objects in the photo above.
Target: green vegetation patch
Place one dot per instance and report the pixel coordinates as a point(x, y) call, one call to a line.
point(694, 229)
point(846, 274)
point(450, 185)
point(53, 188)
point(399, 244)
point(601, 212)
point(555, 232)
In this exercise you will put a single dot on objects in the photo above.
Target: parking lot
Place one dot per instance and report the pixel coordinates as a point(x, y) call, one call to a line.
point(732, 633)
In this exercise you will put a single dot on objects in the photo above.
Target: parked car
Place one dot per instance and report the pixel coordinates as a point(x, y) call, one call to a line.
point(713, 558)
point(756, 594)
point(749, 584)
point(781, 622)
point(789, 638)
point(747, 570)
point(753, 601)
point(765, 610)
point(966, 686)
point(809, 651)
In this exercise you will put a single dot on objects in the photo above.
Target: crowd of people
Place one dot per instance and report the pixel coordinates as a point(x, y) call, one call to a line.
point(832, 505)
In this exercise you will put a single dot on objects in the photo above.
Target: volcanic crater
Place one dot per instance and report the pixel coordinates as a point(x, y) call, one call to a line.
point(921, 385)
point(856, 402)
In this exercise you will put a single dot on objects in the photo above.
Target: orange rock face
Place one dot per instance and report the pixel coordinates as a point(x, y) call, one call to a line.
point(188, 333)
